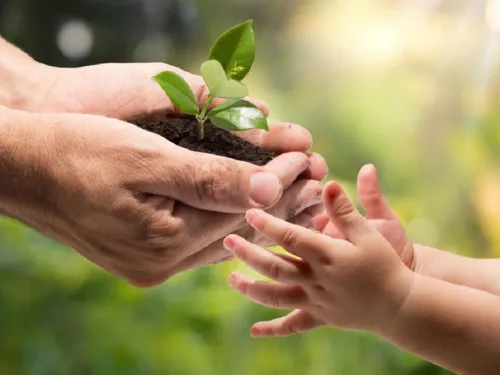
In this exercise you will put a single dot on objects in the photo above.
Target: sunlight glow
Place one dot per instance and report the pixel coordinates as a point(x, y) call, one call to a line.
point(493, 15)
point(382, 43)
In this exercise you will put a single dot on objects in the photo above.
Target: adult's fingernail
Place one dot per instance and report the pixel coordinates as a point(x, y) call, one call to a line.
point(265, 189)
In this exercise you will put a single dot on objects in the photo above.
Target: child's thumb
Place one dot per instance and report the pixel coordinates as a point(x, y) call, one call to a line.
point(370, 195)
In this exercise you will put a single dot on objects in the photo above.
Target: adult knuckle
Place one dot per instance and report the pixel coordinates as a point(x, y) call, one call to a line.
point(125, 208)
point(160, 229)
point(165, 251)
point(212, 179)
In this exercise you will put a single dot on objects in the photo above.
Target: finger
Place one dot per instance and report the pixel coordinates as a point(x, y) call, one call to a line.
point(278, 296)
point(220, 184)
point(306, 218)
point(263, 261)
point(301, 197)
point(209, 226)
point(288, 167)
point(318, 170)
point(332, 231)
point(209, 182)
point(342, 213)
point(281, 138)
point(299, 241)
point(298, 321)
point(321, 221)
point(370, 195)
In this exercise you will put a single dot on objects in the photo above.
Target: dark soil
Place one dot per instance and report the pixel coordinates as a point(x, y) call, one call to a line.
point(183, 131)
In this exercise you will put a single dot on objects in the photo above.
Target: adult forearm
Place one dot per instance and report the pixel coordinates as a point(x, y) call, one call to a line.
point(479, 274)
point(21, 164)
point(23, 81)
point(453, 326)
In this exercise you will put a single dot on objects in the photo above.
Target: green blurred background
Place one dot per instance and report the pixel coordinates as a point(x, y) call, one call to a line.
point(409, 85)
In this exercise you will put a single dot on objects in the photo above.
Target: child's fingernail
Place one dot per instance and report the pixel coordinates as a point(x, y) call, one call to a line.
point(232, 281)
point(255, 332)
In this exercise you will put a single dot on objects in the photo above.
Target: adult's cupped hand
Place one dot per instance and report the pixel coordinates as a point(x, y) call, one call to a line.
point(180, 203)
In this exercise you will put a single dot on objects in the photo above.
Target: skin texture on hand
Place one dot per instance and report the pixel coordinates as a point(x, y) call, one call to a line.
point(359, 282)
point(354, 283)
point(126, 91)
point(129, 200)
point(378, 214)
point(481, 274)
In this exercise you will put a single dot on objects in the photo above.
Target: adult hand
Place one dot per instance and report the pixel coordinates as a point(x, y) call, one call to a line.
point(126, 91)
point(129, 92)
point(129, 200)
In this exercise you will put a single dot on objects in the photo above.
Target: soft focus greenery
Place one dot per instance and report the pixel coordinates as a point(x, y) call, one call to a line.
point(409, 85)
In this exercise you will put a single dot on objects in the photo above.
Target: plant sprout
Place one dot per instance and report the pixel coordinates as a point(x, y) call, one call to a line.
point(229, 61)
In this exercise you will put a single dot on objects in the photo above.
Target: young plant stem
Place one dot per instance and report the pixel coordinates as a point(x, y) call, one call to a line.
point(202, 117)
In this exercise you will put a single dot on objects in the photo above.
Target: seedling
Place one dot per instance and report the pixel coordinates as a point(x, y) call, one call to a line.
point(229, 61)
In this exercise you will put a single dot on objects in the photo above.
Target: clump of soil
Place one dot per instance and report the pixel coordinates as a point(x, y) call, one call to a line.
point(183, 131)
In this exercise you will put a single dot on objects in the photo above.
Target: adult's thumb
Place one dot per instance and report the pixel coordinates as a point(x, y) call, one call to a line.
point(216, 183)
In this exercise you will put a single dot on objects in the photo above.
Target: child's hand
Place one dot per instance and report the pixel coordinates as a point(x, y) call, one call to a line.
point(356, 283)
point(378, 213)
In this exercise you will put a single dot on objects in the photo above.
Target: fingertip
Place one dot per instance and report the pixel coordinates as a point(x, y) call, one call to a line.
point(367, 170)
point(332, 191)
point(233, 280)
point(320, 222)
point(297, 137)
point(318, 169)
point(229, 242)
point(367, 174)
point(255, 332)
point(252, 215)
point(262, 105)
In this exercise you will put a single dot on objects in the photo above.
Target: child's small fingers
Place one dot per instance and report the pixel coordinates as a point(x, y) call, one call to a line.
point(295, 239)
point(343, 214)
point(278, 296)
point(263, 261)
point(298, 321)
point(370, 195)
point(332, 231)
point(321, 221)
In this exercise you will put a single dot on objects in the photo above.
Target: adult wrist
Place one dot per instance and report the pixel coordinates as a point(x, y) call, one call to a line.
point(26, 83)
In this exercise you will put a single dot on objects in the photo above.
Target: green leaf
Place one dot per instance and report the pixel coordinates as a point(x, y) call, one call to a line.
point(238, 115)
point(178, 91)
point(213, 74)
point(220, 85)
point(235, 50)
